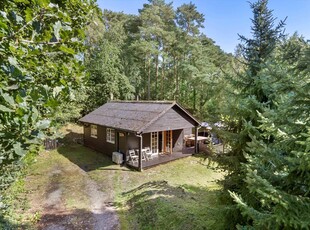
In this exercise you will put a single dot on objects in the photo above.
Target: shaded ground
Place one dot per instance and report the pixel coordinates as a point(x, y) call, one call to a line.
point(74, 187)
point(57, 213)
point(67, 198)
point(63, 192)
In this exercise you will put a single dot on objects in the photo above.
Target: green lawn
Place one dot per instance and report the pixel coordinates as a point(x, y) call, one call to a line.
point(179, 195)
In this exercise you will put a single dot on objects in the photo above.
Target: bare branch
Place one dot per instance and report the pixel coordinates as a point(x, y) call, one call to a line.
point(40, 43)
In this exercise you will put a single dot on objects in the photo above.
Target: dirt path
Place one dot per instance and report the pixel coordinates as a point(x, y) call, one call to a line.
point(104, 215)
point(100, 215)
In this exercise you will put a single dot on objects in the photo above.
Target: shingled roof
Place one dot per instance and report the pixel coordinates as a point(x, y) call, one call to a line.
point(130, 115)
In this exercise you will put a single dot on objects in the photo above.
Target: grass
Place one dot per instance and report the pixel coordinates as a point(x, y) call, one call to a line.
point(178, 195)
point(158, 205)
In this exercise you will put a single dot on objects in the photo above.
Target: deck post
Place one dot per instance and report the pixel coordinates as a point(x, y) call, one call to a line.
point(196, 142)
point(140, 153)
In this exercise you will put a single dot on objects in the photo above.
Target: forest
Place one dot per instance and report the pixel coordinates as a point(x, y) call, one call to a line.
point(62, 59)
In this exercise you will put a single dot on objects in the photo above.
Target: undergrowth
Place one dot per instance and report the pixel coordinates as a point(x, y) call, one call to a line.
point(13, 194)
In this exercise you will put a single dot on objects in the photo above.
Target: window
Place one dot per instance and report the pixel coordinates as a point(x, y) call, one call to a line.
point(111, 135)
point(93, 131)
point(154, 142)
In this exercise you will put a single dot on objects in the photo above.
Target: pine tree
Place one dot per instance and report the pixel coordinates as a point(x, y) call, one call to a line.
point(103, 63)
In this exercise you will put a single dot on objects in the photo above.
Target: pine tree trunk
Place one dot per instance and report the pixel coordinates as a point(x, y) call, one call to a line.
point(145, 86)
point(162, 79)
point(156, 78)
point(194, 100)
point(176, 78)
point(178, 81)
point(149, 80)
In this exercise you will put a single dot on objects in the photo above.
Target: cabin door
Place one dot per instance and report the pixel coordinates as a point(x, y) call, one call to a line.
point(121, 145)
point(167, 141)
point(154, 142)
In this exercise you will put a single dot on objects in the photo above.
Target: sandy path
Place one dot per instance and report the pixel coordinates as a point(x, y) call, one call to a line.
point(104, 216)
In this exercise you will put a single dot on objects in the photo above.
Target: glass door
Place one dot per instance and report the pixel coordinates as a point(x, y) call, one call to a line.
point(154, 142)
point(167, 141)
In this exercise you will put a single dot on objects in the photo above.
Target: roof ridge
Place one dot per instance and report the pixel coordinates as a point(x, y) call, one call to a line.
point(145, 102)
point(95, 114)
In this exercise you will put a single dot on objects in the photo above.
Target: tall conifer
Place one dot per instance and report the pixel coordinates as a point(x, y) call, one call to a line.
point(251, 95)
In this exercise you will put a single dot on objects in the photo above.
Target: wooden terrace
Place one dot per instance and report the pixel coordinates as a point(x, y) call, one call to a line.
point(163, 158)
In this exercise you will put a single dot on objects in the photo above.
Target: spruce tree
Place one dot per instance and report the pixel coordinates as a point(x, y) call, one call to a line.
point(277, 171)
point(250, 95)
point(258, 50)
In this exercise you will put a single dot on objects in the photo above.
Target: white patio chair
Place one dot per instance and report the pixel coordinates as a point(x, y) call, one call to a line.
point(148, 153)
point(142, 153)
point(144, 157)
point(132, 156)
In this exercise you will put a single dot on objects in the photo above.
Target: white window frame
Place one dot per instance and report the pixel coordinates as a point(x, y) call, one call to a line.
point(156, 135)
point(110, 135)
point(93, 131)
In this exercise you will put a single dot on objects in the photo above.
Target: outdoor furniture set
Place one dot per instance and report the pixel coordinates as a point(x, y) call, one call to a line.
point(134, 154)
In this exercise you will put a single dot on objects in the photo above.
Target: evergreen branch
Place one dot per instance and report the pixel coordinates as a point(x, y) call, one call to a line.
point(242, 62)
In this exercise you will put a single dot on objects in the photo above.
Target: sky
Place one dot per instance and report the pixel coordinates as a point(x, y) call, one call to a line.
point(225, 19)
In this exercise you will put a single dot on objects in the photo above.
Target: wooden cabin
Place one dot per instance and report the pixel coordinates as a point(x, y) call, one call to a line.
point(145, 132)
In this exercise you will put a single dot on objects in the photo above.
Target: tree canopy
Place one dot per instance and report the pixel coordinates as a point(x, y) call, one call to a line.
point(40, 45)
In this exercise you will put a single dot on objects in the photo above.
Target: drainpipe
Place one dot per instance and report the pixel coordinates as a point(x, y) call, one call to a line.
point(140, 151)
point(196, 141)
point(196, 144)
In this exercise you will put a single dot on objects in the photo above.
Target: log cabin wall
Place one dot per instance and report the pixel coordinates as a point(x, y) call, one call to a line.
point(99, 144)
point(132, 141)
point(188, 131)
point(177, 140)
point(146, 137)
